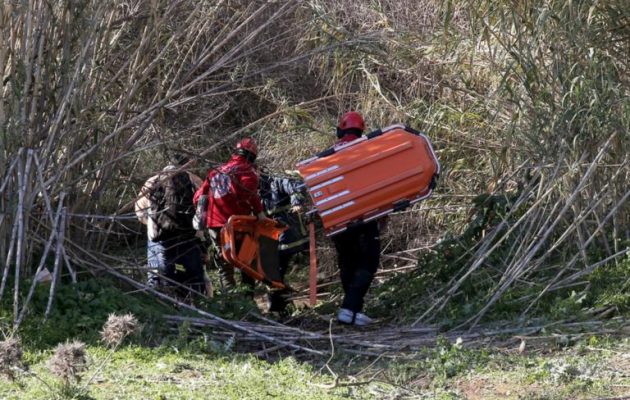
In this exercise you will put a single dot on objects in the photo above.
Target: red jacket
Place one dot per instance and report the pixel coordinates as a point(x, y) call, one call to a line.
point(232, 189)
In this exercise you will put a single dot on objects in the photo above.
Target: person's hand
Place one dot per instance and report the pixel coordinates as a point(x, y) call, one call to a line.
point(296, 209)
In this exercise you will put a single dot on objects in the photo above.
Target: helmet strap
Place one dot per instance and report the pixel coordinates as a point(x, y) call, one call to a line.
point(248, 155)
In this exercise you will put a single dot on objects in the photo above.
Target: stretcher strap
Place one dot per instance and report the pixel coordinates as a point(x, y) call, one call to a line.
point(312, 284)
point(259, 267)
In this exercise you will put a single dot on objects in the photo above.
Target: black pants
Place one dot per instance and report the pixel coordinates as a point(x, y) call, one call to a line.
point(358, 253)
point(183, 261)
point(278, 298)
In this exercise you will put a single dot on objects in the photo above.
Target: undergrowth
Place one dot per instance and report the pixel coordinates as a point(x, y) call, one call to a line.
point(604, 291)
point(444, 361)
point(80, 310)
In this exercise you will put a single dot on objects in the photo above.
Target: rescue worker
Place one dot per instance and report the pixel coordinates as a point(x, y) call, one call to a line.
point(231, 189)
point(283, 200)
point(165, 207)
point(358, 247)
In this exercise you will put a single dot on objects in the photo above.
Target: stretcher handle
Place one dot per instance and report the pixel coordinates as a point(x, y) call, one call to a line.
point(376, 133)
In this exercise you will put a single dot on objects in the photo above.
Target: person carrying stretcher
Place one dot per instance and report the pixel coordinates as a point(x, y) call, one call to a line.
point(358, 247)
point(229, 189)
point(283, 199)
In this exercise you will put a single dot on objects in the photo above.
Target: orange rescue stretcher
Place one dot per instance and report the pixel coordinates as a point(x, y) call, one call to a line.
point(252, 246)
point(382, 172)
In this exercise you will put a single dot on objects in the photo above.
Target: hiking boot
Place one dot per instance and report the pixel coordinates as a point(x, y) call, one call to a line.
point(277, 301)
point(348, 317)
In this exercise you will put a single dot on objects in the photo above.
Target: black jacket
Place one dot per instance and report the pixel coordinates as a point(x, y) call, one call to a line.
point(279, 195)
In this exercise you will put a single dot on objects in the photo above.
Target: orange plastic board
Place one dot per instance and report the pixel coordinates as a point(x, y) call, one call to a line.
point(251, 245)
point(370, 177)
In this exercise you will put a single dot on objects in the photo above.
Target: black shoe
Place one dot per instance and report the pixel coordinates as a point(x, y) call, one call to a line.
point(277, 302)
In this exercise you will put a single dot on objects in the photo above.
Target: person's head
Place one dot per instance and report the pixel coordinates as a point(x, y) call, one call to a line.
point(351, 123)
point(247, 148)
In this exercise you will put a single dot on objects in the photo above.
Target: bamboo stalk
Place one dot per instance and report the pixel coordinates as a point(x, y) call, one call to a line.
point(43, 190)
point(73, 274)
point(42, 262)
point(380, 340)
point(14, 231)
point(589, 269)
point(70, 92)
point(28, 49)
point(37, 84)
point(27, 204)
point(534, 248)
point(4, 47)
point(8, 173)
point(57, 266)
point(234, 325)
point(10, 252)
point(21, 238)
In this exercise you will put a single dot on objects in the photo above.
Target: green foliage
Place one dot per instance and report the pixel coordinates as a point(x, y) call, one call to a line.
point(448, 360)
point(609, 286)
point(234, 303)
point(68, 391)
point(81, 309)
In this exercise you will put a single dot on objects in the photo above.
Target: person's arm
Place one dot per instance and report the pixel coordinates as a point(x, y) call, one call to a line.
point(296, 192)
point(143, 204)
point(293, 189)
point(203, 188)
point(285, 187)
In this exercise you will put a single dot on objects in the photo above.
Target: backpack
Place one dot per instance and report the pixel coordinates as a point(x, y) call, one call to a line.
point(171, 200)
point(219, 185)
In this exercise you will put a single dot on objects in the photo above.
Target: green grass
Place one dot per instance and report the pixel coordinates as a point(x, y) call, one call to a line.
point(168, 373)
point(594, 368)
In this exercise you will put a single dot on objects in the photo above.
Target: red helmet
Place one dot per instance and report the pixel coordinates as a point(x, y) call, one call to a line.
point(248, 144)
point(350, 120)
